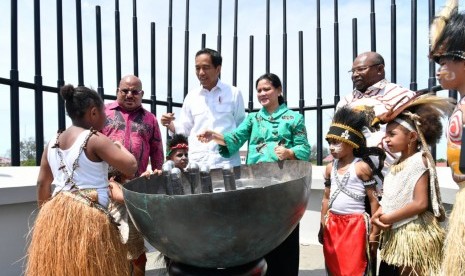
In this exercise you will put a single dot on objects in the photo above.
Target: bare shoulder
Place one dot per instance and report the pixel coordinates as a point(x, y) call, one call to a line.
point(328, 169)
point(363, 170)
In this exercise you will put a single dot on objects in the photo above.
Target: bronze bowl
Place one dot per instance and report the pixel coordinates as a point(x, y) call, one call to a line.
point(226, 228)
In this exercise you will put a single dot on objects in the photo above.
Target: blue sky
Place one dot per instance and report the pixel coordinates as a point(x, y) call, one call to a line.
point(301, 16)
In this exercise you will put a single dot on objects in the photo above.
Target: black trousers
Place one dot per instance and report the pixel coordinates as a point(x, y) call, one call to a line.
point(284, 259)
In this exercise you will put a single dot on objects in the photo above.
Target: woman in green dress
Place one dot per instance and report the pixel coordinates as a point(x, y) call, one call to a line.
point(274, 133)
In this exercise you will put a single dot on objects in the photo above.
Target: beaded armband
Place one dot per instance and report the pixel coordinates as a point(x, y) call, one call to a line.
point(369, 182)
point(327, 182)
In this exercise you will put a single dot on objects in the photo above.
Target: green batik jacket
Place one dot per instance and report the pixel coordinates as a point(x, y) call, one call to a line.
point(265, 132)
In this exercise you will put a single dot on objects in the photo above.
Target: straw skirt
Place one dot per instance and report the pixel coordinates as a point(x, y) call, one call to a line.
point(417, 245)
point(71, 238)
point(454, 249)
point(129, 233)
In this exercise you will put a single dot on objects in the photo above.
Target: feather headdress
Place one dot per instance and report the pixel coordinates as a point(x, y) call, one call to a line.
point(446, 33)
point(441, 104)
point(422, 114)
point(348, 126)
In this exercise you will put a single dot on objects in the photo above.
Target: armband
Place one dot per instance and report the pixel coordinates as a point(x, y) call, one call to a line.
point(369, 182)
point(327, 182)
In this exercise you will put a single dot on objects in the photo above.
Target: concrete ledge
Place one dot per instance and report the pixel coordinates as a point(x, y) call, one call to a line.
point(18, 184)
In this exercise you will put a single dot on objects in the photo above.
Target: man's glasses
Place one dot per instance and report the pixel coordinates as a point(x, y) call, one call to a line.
point(133, 92)
point(361, 68)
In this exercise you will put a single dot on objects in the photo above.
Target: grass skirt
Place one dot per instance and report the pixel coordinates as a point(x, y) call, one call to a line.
point(417, 244)
point(454, 249)
point(71, 238)
point(129, 233)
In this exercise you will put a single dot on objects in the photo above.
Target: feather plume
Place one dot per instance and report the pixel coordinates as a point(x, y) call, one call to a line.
point(442, 104)
point(440, 21)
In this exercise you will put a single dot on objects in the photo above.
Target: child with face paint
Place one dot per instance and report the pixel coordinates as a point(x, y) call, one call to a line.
point(448, 50)
point(349, 241)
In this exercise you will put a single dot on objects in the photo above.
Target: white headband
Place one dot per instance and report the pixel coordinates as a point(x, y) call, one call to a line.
point(404, 124)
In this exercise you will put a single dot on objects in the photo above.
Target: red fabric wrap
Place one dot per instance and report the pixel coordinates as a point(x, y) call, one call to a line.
point(344, 244)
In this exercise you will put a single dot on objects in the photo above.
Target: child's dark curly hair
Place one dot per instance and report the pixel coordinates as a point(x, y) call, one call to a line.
point(429, 118)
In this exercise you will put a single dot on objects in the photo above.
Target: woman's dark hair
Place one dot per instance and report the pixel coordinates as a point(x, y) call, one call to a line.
point(275, 82)
point(79, 99)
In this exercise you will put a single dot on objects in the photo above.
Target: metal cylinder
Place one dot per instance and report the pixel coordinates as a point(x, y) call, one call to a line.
point(205, 180)
point(228, 177)
point(166, 174)
point(193, 175)
point(176, 183)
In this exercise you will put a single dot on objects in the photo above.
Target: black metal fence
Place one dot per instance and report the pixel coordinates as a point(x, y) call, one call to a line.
point(14, 82)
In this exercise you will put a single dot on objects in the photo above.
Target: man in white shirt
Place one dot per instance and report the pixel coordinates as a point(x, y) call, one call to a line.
point(213, 105)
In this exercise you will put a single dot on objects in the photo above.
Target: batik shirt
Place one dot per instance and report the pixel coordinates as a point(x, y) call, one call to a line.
point(266, 131)
point(138, 131)
point(376, 100)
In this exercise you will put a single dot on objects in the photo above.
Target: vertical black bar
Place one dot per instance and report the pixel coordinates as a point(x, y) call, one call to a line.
point(284, 51)
point(117, 43)
point(354, 38)
point(413, 51)
point(14, 87)
point(393, 42)
point(153, 70)
point(234, 76)
point(267, 50)
point(186, 51)
point(251, 86)
point(336, 52)
point(134, 37)
point(319, 122)
point(373, 26)
point(220, 13)
point(432, 64)
point(39, 100)
point(60, 66)
point(170, 59)
point(203, 43)
point(98, 21)
point(301, 74)
point(79, 44)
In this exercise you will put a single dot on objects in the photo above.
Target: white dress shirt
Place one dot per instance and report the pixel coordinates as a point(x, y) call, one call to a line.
point(221, 109)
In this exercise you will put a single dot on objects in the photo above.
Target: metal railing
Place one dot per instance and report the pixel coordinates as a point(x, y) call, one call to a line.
point(39, 88)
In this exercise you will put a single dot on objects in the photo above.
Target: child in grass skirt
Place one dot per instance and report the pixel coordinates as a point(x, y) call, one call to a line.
point(448, 50)
point(73, 233)
point(411, 207)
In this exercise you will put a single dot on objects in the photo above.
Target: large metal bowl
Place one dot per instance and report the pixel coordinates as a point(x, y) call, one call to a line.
point(227, 228)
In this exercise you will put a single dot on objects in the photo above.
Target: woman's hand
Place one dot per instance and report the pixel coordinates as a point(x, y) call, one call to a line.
point(283, 153)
